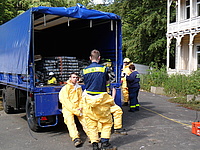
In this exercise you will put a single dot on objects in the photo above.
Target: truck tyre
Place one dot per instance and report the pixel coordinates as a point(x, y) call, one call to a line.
point(30, 116)
point(8, 109)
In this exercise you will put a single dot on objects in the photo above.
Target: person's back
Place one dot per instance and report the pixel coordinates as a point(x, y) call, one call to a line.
point(95, 78)
point(98, 102)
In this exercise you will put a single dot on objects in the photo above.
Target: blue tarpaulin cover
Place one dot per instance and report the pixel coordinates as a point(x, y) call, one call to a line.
point(78, 11)
point(15, 35)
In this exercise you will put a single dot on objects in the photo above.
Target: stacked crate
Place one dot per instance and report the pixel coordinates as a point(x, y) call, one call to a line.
point(67, 65)
point(61, 66)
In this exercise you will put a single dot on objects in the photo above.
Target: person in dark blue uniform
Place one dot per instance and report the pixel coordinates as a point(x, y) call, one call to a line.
point(133, 88)
point(95, 76)
point(97, 103)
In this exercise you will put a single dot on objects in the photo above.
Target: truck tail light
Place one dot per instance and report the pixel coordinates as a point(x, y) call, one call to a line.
point(31, 94)
point(43, 118)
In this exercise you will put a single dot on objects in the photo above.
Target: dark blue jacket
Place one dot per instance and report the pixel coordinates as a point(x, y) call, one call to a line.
point(133, 80)
point(95, 77)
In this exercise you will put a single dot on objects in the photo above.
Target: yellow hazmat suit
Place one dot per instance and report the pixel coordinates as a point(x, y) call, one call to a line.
point(125, 70)
point(52, 81)
point(117, 112)
point(70, 97)
point(98, 110)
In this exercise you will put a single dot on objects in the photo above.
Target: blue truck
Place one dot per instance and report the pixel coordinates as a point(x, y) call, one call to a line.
point(58, 40)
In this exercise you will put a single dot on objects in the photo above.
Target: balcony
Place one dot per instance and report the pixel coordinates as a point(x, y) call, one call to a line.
point(184, 25)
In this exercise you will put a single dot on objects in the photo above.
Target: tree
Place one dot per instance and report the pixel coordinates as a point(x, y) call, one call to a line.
point(11, 8)
point(144, 29)
point(143, 23)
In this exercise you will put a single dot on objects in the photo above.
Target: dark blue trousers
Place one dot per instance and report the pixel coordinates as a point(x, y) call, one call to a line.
point(133, 98)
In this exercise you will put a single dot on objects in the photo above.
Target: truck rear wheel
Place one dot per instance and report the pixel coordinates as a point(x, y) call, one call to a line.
point(30, 116)
point(8, 109)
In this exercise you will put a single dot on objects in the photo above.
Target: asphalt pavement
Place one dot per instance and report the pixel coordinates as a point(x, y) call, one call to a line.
point(159, 125)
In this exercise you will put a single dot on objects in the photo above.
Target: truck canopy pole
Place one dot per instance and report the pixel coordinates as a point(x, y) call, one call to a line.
point(68, 21)
point(90, 23)
point(111, 25)
point(116, 52)
point(45, 20)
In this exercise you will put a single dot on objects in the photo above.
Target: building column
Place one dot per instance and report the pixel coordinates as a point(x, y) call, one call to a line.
point(178, 51)
point(192, 35)
point(169, 38)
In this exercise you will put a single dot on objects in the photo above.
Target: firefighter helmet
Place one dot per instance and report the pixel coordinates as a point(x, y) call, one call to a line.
point(126, 60)
point(51, 73)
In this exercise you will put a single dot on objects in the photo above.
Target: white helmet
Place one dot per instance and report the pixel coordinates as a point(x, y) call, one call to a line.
point(126, 60)
point(51, 73)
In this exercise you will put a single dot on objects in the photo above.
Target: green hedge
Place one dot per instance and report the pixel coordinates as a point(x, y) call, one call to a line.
point(174, 85)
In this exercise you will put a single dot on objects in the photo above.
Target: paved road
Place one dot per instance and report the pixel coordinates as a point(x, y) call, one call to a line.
point(159, 125)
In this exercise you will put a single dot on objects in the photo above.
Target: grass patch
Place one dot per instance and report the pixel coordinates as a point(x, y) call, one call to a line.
point(182, 102)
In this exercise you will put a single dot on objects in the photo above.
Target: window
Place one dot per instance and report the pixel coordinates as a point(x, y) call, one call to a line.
point(173, 12)
point(198, 56)
point(187, 9)
point(198, 7)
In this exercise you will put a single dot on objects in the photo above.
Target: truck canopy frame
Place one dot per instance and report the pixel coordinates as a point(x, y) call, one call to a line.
point(72, 26)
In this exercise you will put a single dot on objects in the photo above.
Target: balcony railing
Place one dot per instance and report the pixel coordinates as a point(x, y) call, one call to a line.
point(184, 25)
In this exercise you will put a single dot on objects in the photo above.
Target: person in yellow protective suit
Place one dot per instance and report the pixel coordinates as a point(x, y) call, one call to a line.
point(97, 102)
point(125, 71)
point(116, 112)
point(52, 79)
point(70, 97)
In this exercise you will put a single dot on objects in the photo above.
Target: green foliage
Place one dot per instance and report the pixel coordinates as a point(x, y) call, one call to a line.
point(11, 8)
point(174, 85)
point(184, 85)
point(144, 23)
point(156, 77)
point(144, 31)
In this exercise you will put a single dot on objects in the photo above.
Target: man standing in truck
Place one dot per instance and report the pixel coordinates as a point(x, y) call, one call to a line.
point(97, 102)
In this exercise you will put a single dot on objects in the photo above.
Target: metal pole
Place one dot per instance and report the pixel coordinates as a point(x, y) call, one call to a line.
point(90, 23)
point(68, 21)
point(45, 20)
point(116, 47)
point(111, 25)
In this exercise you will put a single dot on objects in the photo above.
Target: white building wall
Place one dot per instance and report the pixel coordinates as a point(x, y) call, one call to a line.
point(187, 33)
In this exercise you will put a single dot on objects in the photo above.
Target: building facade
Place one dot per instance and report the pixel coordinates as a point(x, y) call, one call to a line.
point(183, 36)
